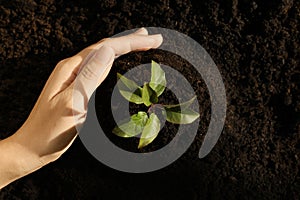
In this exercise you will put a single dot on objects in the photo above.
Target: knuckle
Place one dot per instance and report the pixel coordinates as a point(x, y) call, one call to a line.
point(88, 73)
point(62, 62)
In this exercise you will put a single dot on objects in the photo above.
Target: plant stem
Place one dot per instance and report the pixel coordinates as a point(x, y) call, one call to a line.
point(152, 108)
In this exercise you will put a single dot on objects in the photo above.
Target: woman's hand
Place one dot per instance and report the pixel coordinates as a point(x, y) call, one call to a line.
point(51, 126)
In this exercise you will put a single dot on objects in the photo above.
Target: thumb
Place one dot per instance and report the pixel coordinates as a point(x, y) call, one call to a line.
point(96, 68)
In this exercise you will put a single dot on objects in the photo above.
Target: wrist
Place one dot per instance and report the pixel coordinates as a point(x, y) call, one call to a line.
point(28, 159)
point(16, 160)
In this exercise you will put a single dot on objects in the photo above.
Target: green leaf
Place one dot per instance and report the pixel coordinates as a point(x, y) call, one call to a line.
point(133, 127)
point(186, 116)
point(181, 106)
point(158, 78)
point(129, 89)
point(181, 113)
point(150, 131)
point(140, 118)
point(134, 97)
point(148, 95)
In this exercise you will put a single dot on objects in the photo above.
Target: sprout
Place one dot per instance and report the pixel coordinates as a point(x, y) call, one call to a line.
point(147, 123)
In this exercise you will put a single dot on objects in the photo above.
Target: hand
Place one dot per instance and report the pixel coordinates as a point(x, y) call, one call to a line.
point(50, 128)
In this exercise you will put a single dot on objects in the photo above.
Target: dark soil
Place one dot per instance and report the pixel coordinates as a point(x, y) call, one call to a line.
point(255, 45)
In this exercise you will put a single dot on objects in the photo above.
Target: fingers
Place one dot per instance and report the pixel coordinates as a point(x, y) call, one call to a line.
point(85, 52)
point(134, 42)
point(94, 70)
point(99, 64)
point(65, 73)
point(140, 41)
point(141, 31)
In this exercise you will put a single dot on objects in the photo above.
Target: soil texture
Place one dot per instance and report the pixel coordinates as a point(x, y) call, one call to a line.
point(256, 47)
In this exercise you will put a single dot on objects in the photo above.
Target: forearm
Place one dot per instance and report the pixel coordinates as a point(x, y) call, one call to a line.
point(16, 160)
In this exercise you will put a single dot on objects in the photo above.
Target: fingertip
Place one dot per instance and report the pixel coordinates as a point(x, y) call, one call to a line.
point(158, 40)
point(141, 31)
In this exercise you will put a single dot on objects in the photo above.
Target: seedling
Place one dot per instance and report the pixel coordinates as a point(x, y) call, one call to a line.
point(148, 123)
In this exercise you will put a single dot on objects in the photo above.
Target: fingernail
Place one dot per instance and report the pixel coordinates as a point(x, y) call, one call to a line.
point(157, 36)
point(158, 39)
point(140, 30)
point(104, 55)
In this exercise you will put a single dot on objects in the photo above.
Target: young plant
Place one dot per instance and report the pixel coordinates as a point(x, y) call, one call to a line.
point(147, 123)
